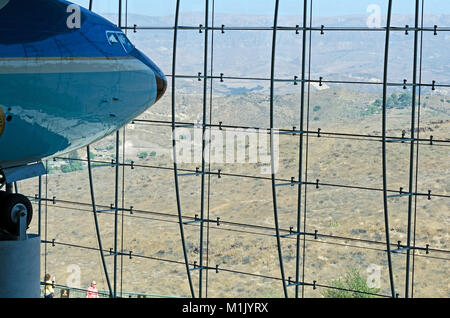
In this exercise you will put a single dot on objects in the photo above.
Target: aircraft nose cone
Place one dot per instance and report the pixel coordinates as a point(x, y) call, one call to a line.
point(161, 85)
point(161, 81)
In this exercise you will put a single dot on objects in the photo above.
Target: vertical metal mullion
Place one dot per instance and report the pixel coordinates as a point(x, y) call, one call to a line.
point(116, 185)
point(97, 228)
point(274, 193)
point(300, 175)
point(417, 148)
point(307, 146)
point(123, 181)
point(209, 149)
point(202, 198)
point(122, 212)
point(116, 211)
point(174, 148)
point(385, 203)
point(120, 15)
point(40, 205)
point(46, 218)
point(411, 159)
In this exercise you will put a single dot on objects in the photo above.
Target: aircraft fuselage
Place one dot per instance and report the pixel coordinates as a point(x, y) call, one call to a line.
point(62, 85)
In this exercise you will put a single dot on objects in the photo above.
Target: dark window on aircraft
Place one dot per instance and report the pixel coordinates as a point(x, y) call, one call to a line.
point(115, 38)
point(112, 38)
point(125, 42)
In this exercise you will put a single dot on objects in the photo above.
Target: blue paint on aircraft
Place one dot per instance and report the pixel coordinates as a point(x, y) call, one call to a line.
point(63, 88)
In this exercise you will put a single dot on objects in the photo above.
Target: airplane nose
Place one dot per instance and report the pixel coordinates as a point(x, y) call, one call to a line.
point(161, 85)
point(161, 81)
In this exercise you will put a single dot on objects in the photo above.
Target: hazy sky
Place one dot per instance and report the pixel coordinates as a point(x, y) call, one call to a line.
point(320, 7)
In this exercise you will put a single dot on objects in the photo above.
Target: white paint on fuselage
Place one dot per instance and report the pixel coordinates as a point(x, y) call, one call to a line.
point(70, 65)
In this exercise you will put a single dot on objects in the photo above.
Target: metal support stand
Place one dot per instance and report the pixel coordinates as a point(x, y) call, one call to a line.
point(9, 188)
point(20, 267)
point(20, 261)
point(22, 224)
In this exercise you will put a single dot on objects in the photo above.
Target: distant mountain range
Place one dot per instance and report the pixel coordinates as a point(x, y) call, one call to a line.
point(336, 55)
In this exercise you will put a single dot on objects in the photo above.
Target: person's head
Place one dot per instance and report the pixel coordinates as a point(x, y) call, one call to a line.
point(93, 283)
point(47, 277)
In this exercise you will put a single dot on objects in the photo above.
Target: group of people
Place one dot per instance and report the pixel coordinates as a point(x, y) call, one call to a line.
point(49, 292)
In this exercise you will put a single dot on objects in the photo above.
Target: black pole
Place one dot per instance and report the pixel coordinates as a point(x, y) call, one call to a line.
point(97, 228)
point(272, 156)
point(116, 186)
point(40, 205)
point(385, 203)
point(174, 148)
point(116, 212)
point(202, 195)
point(417, 148)
point(411, 155)
point(300, 159)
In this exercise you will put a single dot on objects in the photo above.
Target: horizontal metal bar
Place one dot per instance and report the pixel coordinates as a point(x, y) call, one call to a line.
point(106, 210)
point(294, 132)
point(284, 28)
point(406, 194)
point(289, 184)
point(123, 253)
point(198, 220)
point(407, 248)
point(401, 140)
point(185, 125)
point(296, 81)
point(398, 250)
point(189, 125)
point(191, 174)
point(195, 221)
point(281, 130)
point(198, 268)
point(296, 283)
point(291, 234)
point(112, 254)
point(322, 235)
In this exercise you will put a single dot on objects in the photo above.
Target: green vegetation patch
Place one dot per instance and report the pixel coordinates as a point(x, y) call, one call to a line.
point(395, 101)
point(75, 164)
point(352, 285)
